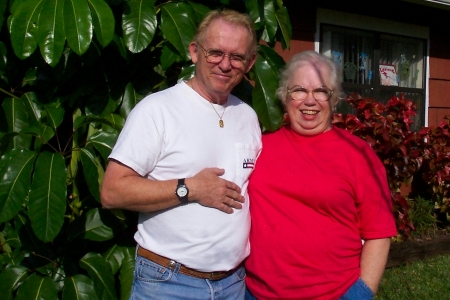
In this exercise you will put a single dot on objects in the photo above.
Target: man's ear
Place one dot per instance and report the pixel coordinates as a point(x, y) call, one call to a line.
point(251, 62)
point(193, 51)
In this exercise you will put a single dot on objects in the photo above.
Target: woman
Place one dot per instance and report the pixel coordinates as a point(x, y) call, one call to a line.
point(316, 193)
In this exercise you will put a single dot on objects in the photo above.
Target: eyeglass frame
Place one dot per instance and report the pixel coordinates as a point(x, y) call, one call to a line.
point(330, 93)
point(206, 55)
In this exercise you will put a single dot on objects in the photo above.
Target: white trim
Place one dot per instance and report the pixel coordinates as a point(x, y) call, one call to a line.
point(339, 18)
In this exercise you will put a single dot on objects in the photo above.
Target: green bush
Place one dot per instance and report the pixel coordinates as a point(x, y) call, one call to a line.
point(62, 108)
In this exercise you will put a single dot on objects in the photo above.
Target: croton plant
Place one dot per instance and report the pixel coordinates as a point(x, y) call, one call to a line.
point(418, 160)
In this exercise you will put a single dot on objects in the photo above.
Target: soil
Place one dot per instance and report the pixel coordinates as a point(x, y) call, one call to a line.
point(419, 247)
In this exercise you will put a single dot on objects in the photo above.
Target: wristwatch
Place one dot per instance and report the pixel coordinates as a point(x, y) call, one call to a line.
point(182, 191)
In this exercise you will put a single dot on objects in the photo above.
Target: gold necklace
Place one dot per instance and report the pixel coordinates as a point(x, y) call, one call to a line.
point(220, 116)
point(221, 124)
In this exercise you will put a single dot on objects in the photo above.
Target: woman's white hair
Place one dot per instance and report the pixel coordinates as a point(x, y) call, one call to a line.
point(333, 75)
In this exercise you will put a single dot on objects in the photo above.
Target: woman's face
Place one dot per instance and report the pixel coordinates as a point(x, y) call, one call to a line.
point(309, 117)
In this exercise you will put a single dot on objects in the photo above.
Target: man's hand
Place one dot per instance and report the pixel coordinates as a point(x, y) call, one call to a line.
point(208, 189)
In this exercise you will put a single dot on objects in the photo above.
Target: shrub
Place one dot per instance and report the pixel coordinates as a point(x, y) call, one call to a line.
point(420, 160)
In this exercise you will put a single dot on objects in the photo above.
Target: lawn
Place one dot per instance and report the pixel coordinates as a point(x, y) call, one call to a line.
point(424, 280)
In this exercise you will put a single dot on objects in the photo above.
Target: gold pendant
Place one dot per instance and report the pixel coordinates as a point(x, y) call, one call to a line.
point(221, 123)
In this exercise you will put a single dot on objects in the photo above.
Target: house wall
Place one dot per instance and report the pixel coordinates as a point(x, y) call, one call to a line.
point(303, 20)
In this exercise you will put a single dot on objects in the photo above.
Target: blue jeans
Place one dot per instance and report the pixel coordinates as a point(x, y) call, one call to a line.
point(358, 291)
point(152, 281)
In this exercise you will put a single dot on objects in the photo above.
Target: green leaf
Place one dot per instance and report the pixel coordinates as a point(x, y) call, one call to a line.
point(91, 226)
point(285, 26)
point(200, 11)
point(169, 55)
point(78, 25)
point(116, 120)
point(50, 35)
point(270, 20)
point(126, 275)
point(10, 278)
point(75, 158)
point(90, 171)
point(15, 182)
point(79, 287)
point(265, 75)
point(114, 256)
point(55, 115)
point(256, 12)
point(23, 28)
point(47, 198)
point(186, 73)
point(17, 119)
point(33, 108)
point(139, 25)
point(178, 26)
point(27, 237)
point(3, 57)
point(37, 287)
point(129, 101)
point(100, 272)
point(103, 142)
point(103, 19)
point(83, 120)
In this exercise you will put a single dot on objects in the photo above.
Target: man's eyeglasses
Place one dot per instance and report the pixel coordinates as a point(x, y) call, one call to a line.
point(215, 56)
point(321, 94)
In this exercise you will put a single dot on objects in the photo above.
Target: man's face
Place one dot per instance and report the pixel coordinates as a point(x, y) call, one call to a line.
point(214, 81)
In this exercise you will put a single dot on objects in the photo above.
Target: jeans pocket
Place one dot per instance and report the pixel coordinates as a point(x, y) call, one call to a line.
point(239, 274)
point(148, 271)
point(358, 291)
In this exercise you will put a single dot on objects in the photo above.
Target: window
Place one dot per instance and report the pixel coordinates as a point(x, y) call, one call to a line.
point(377, 64)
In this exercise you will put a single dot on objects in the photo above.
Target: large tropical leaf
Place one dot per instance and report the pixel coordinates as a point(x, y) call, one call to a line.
point(17, 119)
point(103, 142)
point(78, 25)
point(255, 9)
point(37, 287)
point(200, 10)
point(36, 113)
point(270, 21)
point(139, 25)
point(104, 22)
point(15, 181)
point(100, 272)
point(50, 35)
point(91, 167)
point(129, 100)
point(23, 27)
point(114, 256)
point(47, 200)
point(115, 119)
point(178, 26)
point(285, 27)
point(127, 273)
point(265, 75)
point(91, 227)
point(10, 277)
point(79, 287)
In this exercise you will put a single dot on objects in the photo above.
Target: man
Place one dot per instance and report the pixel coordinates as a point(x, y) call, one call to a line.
point(183, 160)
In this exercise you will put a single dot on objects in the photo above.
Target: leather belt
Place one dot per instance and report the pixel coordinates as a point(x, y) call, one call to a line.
point(170, 264)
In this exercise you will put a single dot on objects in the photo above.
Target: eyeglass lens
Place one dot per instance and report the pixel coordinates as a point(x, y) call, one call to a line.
point(320, 94)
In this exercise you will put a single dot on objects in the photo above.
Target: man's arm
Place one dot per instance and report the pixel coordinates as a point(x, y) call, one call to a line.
point(373, 261)
point(124, 188)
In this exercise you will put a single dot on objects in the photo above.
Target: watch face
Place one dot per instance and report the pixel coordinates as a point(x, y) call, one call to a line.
point(182, 191)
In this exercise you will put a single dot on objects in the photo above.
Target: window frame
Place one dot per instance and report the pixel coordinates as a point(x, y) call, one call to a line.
point(349, 21)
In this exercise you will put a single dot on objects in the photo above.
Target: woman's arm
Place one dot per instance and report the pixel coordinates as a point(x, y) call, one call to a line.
point(373, 261)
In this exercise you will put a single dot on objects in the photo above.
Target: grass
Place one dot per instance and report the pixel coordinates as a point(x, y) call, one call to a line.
point(429, 280)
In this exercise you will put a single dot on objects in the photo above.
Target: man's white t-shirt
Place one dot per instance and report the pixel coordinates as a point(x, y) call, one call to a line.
point(175, 134)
